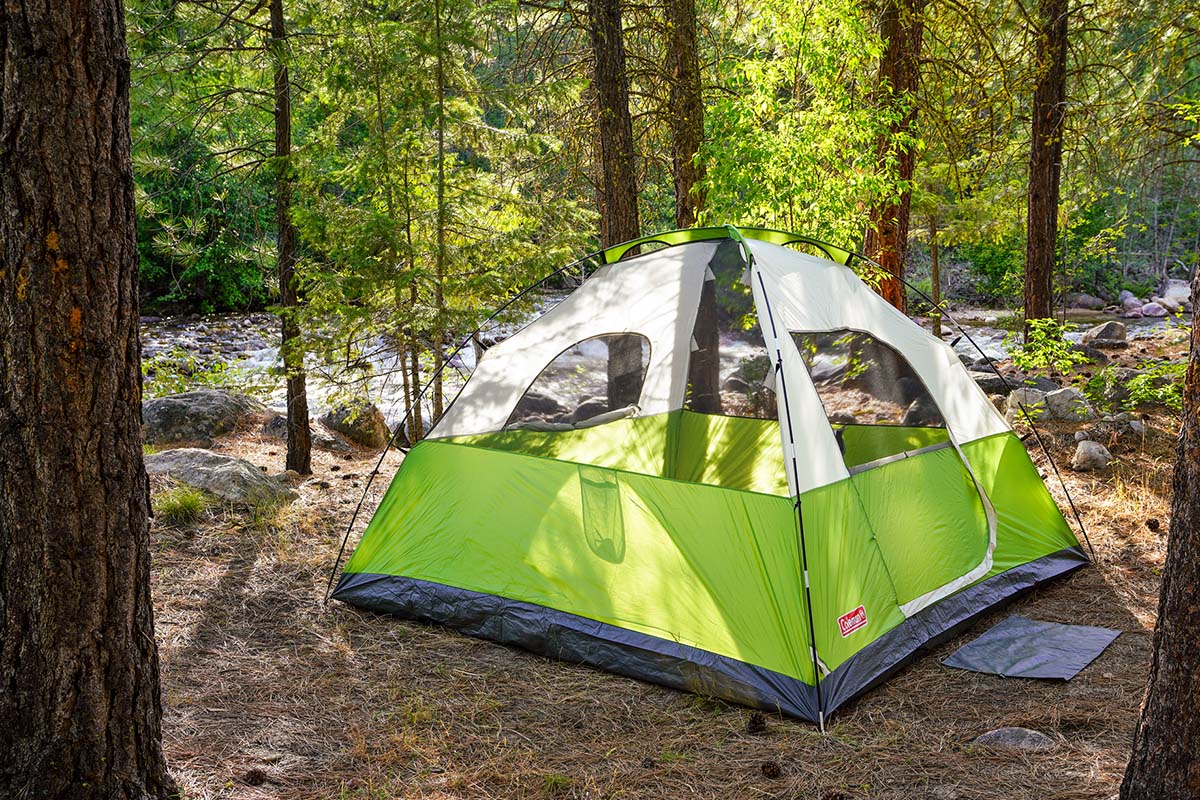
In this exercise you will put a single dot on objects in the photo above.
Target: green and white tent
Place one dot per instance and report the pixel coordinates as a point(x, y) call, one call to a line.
point(725, 466)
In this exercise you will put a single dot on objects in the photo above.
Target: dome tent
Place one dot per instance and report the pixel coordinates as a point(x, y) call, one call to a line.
point(725, 466)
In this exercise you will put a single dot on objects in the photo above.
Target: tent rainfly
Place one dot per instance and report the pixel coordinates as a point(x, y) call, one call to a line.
point(724, 465)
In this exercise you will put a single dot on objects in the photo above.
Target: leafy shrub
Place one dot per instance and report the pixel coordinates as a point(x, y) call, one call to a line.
point(1160, 385)
point(180, 505)
point(999, 267)
point(179, 371)
point(1045, 347)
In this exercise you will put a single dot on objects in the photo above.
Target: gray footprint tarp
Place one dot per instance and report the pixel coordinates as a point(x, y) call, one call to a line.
point(1025, 648)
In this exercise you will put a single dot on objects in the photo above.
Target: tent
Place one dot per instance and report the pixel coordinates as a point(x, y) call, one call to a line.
point(722, 464)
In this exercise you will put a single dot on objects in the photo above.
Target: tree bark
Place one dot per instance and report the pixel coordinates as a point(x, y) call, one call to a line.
point(902, 23)
point(935, 274)
point(618, 183)
point(1045, 158)
point(299, 437)
point(1166, 749)
point(80, 715)
point(686, 111)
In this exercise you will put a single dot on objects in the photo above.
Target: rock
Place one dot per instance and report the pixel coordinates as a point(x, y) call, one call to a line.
point(590, 408)
point(1068, 404)
point(990, 382)
point(1153, 310)
point(1172, 306)
point(1108, 331)
point(1090, 456)
point(230, 479)
point(1039, 382)
point(922, 412)
point(1082, 436)
point(1176, 290)
point(1015, 739)
point(735, 384)
point(276, 428)
point(1131, 306)
point(360, 422)
point(1137, 427)
point(538, 403)
point(1092, 354)
point(1084, 300)
point(1033, 401)
point(1114, 388)
point(1127, 295)
point(195, 417)
point(1108, 344)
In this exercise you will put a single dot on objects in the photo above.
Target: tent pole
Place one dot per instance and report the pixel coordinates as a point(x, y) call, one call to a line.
point(779, 379)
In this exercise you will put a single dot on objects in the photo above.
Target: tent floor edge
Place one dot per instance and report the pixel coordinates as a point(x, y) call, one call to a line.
point(934, 625)
point(569, 637)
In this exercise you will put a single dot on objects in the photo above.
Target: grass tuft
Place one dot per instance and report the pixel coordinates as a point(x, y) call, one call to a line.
point(181, 505)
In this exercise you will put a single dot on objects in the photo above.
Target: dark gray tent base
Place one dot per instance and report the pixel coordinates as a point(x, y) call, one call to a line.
point(1025, 648)
point(569, 637)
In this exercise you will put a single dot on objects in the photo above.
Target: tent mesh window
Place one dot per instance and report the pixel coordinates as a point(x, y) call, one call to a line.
point(593, 381)
point(875, 401)
point(729, 371)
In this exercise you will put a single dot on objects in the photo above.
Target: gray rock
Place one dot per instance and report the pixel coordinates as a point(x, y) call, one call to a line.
point(990, 382)
point(1153, 310)
point(1032, 400)
point(1114, 388)
point(1084, 300)
point(1039, 382)
point(1177, 290)
point(1172, 306)
point(1082, 436)
point(735, 384)
point(922, 412)
point(1015, 739)
point(590, 408)
point(538, 403)
point(196, 417)
point(1109, 331)
point(1131, 303)
point(1090, 456)
point(1127, 295)
point(1092, 354)
point(229, 478)
point(1109, 344)
point(1137, 427)
point(276, 428)
point(1068, 404)
point(360, 422)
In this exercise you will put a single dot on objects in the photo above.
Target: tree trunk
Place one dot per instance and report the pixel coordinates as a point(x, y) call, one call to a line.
point(618, 184)
point(439, 288)
point(299, 438)
point(901, 25)
point(1045, 158)
point(80, 715)
point(685, 111)
point(1166, 749)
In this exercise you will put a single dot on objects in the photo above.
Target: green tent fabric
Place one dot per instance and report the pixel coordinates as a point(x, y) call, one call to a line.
point(784, 567)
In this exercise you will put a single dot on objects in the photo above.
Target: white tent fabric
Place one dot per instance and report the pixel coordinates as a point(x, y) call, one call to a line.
point(655, 295)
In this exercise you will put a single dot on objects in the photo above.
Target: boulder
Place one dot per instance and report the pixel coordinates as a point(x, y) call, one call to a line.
point(229, 478)
point(1068, 404)
point(1084, 300)
point(1153, 310)
point(1093, 354)
point(1126, 295)
point(1090, 456)
point(276, 428)
point(990, 382)
point(1114, 386)
point(1032, 400)
point(1110, 331)
point(1137, 427)
point(922, 412)
point(538, 403)
point(1015, 739)
point(360, 422)
point(735, 384)
point(196, 417)
point(1172, 306)
point(1132, 306)
point(590, 408)
point(1177, 291)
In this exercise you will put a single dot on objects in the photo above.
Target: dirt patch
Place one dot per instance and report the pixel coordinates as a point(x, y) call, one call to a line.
point(270, 694)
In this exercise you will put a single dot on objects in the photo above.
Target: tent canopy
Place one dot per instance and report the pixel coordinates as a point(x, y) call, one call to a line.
point(724, 465)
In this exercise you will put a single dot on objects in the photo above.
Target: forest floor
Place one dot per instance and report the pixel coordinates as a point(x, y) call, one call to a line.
point(268, 693)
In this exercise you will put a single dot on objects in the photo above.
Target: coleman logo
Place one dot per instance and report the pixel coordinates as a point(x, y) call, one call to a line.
point(849, 623)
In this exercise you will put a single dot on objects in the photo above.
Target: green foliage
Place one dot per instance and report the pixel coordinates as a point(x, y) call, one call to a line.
point(1045, 347)
point(1158, 385)
point(999, 267)
point(181, 505)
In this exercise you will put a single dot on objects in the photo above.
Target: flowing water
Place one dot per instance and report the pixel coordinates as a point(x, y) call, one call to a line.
point(244, 347)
